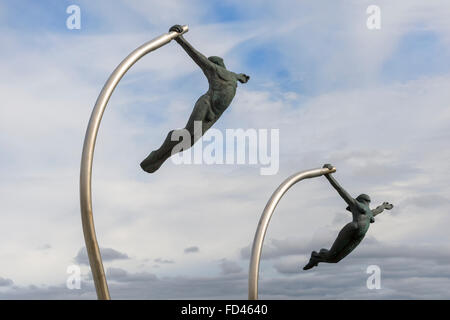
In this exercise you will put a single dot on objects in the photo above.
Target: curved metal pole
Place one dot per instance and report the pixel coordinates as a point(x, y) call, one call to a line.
point(253, 274)
point(90, 238)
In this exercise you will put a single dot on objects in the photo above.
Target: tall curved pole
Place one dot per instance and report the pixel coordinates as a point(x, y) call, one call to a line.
point(253, 274)
point(95, 259)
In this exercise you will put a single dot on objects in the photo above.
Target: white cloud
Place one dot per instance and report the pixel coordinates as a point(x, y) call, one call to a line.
point(389, 140)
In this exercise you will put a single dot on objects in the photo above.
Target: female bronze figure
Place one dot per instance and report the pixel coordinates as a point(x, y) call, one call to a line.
point(352, 233)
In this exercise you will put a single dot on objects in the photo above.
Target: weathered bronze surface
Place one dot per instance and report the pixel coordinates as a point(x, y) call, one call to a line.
point(208, 108)
point(352, 233)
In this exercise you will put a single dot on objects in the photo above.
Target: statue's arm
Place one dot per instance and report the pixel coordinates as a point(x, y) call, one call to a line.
point(381, 208)
point(198, 58)
point(344, 194)
point(241, 77)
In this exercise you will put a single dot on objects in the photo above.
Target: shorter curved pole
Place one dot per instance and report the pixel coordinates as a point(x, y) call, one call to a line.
point(87, 219)
point(253, 274)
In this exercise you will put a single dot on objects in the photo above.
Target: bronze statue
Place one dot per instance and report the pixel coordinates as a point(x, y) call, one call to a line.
point(352, 233)
point(208, 108)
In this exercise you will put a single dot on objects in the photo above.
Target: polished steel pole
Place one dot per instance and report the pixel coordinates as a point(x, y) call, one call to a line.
point(87, 219)
point(253, 274)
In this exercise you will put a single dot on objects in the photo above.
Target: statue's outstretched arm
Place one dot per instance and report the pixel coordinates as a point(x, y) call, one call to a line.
point(198, 58)
point(242, 77)
point(344, 194)
point(381, 208)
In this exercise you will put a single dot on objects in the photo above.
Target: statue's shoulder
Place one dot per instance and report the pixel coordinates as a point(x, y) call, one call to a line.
point(224, 74)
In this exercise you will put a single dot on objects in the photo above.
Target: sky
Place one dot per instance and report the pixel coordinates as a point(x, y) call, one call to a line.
point(374, 103)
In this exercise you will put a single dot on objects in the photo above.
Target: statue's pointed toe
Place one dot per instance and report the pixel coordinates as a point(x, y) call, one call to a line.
point(309, 266)
point(147, 168)
point(148, 164)
point(312, 261)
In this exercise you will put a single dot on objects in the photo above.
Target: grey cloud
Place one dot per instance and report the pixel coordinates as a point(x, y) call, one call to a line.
point(121, 275)
point(115, 273)
point(426, 201)
point(277, 248)
point(229, 267)
point(400, 279)
point(5, 282)
point(127, 285)
point(341, 218)
point(437, 253)
point(369, 248)
point(45, 246)
point(108, 254)
point(191, 249)
point(54, 292)
point(395, 256)
point(165, 261)
point(290, 267)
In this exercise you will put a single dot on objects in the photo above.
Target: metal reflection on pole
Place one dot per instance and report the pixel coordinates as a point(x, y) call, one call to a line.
point(93, 251)
point(263, 224)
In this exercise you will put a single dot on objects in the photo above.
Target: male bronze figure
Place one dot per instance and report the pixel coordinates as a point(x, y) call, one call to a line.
point(208, 108)
point(352, 233)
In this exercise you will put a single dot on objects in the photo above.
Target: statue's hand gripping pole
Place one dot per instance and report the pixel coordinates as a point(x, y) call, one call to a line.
point(90, 238)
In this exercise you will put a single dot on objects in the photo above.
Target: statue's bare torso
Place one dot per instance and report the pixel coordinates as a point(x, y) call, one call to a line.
point(223, 86)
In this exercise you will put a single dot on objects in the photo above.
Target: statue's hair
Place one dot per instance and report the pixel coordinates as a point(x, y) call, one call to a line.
point(217, 60)
point(363, 197)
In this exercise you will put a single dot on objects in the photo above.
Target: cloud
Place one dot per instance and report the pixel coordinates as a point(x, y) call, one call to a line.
point(192, 249)
point(121, 275)
point(5, 282)
point(427, 201)
point(345, 280)
point(394, 255)
point(115, 274)
point(45, 246)
point(229, 267)
point(387, 133)
point(164, 261)
point(276, 248)
point(108, 254)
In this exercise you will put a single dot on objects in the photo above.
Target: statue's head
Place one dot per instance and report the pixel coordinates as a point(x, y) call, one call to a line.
point(364, 198)
point(217, 60)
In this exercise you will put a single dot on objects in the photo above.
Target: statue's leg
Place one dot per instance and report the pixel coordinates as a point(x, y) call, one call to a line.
point(346, 241)
point(346, 237)
point(349, 247)
point(159, 156)
point(202, 112)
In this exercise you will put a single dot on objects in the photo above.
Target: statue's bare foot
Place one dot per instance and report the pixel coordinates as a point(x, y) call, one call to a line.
point(151, 164)
point(312, 262)
point(310, 265)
